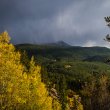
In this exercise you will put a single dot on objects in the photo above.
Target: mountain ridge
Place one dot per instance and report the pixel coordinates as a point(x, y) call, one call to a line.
point(58, 43)
point(54, 44)
point(66, 52)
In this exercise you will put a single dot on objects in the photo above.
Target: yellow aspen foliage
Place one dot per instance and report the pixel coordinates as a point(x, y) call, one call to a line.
point(20, 89)
point(5, 38)
point(56, 105)
point(74, 101)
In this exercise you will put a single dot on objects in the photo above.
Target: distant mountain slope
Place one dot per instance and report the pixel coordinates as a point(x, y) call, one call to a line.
point(98, 58)
point(62, 51)
point(59, 43)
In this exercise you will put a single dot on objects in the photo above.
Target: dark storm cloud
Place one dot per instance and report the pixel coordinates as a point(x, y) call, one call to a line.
point(78, 22)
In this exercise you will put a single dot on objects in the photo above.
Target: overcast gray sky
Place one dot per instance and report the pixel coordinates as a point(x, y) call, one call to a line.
point(77, 22)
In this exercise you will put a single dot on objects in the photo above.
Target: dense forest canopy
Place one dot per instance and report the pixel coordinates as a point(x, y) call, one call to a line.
point(21, 85)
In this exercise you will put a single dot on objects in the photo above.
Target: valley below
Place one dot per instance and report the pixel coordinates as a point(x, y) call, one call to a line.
point(75, 68)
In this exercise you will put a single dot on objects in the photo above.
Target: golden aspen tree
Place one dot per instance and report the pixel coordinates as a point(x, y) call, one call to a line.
point(20, 89)
point(74, 101)
point(11, 72)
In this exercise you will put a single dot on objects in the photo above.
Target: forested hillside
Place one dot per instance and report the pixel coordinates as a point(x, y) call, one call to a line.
point(33, 77)
point(74, 70)
point(23, 88)
point(64, 52)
